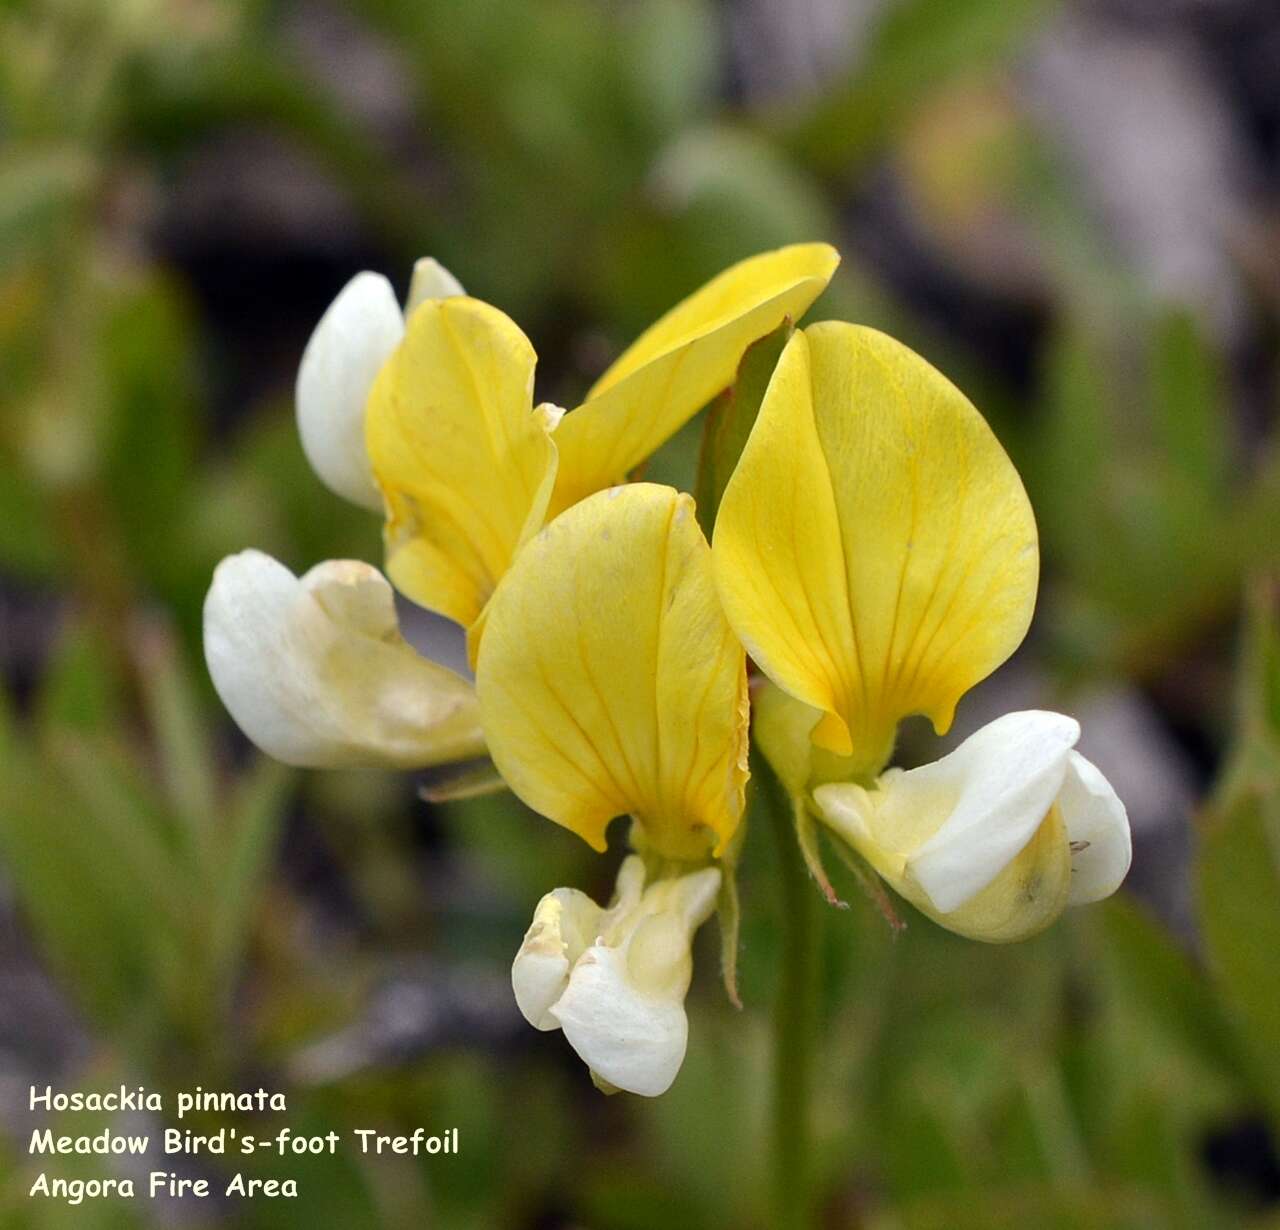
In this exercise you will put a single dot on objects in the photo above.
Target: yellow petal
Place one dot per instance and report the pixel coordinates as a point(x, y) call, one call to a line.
point(680, 363)
point(610, 682)
point(875, 549)
point(782, 728)
point(465, 465)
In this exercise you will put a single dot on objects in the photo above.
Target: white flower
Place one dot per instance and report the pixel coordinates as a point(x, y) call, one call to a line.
point(615, 979)
point(355, 336)
point(314, 669)
point(997, 838)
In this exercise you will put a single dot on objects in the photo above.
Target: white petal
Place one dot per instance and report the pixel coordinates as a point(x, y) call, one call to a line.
point(852, 813)
point(549, 415)
point(689, 898)
point(431, 280)
point(634, 1039)
point(959, 821)
point(315, 672)
point(623, 1011)
point(565, 923)
point(1008, 775)
point(628, 888)
point(357, 334)
point(615, 979)
point(944, 833)
point(1098, 829)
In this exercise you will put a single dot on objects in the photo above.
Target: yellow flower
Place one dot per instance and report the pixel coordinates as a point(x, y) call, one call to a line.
point(609, 681)
point(469, 470)
point(610, 684)
point(877, 555)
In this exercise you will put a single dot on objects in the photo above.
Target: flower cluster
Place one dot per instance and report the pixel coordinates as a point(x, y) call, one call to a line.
point(874, 554)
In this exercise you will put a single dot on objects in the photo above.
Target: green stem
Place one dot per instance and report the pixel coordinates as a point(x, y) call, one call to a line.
point(795, 1017)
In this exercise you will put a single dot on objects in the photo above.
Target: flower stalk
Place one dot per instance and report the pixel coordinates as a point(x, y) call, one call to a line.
point(795, 1016)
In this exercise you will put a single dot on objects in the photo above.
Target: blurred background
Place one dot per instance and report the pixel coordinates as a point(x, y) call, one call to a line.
point(1072, 208)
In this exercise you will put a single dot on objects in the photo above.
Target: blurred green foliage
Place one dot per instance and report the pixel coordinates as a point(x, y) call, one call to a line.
point(208, 917)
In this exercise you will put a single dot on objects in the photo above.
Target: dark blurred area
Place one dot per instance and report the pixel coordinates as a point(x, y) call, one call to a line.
point(1071, 208)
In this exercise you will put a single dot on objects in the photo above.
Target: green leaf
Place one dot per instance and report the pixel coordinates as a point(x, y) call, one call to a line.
point(669, 57)
point(82, 688)
point(1161, 982)
point(1188, 401)
point(736, 192)
point(38, 186)
point(28, 545)
point(1238, 883)
point(122, 817)
point(1259, 698)
point(730, 420)
point(178, 727)
point(152, 391)
point(1253, 765)
point(1077, 425)
point(254, 819)
point(87, 911)
point(1150, 1147)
